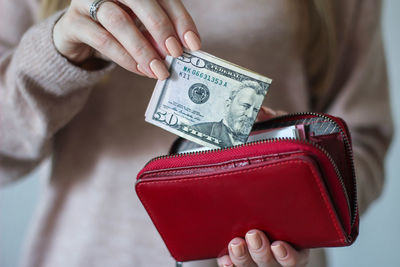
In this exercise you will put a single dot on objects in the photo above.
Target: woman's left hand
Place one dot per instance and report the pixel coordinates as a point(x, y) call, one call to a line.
point(256, 250)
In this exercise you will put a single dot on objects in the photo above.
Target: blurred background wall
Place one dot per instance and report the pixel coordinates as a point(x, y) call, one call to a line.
point(377, 244)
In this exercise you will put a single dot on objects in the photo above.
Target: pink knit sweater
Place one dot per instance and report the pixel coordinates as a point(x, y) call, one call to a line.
point(92, 125)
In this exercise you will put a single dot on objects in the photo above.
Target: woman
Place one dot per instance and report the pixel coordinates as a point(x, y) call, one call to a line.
point(62, 99)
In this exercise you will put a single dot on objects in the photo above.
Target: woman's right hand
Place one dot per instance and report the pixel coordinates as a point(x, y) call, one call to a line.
point(117, 37)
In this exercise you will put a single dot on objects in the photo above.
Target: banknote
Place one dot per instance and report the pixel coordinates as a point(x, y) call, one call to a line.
point(207, 100)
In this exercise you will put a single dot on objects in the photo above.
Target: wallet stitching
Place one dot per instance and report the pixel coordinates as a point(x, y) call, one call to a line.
point(155, 174)
point(326, 201)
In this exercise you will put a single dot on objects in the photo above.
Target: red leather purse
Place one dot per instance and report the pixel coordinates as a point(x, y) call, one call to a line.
point(301, 190)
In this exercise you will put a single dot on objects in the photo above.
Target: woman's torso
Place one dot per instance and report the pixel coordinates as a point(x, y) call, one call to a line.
point(89, 214)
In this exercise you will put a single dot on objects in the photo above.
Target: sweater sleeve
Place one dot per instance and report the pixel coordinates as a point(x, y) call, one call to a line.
point(40, 92)
point(363, 97)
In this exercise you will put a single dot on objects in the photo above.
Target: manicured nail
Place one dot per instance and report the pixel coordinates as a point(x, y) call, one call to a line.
point(254, 240)
point(173, 46)
point(192, 41)
point(237, 249)
point(145, 73)
point(159, 69)
point(279, 250)
point(141, 70)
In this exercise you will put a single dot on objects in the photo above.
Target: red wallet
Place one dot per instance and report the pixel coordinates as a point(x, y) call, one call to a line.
point(299, 189)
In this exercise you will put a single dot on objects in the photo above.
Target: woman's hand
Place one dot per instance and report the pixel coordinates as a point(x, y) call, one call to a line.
point(256, 250)
point(117, 36)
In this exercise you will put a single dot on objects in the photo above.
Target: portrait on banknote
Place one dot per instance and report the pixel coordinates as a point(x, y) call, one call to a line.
point(241, 109)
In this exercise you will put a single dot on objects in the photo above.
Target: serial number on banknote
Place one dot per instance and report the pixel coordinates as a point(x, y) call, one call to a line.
point(185, 74)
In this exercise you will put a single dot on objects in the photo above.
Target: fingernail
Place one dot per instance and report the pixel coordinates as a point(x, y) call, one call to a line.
point(192, 41)
point(159, 69)
point(254, 240)
point(279, 251)
point(145, 73)
point(173, 46)
point(141, 70)
point(237, 249)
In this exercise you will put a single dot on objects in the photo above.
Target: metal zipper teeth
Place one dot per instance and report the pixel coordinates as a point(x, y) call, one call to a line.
point(211, 150)
point(271, 140)
point(347, 145)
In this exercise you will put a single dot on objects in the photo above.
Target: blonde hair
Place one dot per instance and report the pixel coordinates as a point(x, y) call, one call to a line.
point(49, 7)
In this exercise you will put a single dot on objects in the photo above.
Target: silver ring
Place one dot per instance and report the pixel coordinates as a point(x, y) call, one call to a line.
point(95, 6)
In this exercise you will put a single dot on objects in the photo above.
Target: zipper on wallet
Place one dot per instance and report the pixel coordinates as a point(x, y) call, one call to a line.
point(223, 166)
point(306, 141)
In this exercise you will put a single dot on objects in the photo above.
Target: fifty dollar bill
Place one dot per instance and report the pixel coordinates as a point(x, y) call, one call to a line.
point(207, 100)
